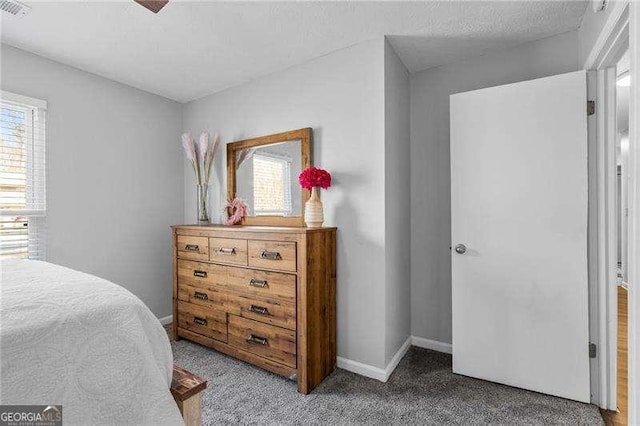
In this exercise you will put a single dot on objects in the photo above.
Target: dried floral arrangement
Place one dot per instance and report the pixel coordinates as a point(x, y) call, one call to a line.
point(201, 155)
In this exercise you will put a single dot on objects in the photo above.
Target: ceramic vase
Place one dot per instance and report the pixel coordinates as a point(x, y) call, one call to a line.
point(313, 215)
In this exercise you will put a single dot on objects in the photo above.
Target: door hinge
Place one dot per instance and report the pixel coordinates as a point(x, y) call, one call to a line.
point(593, 349)
point(591, 107)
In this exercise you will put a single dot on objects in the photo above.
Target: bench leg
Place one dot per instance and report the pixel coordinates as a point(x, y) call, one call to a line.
point(191, 410)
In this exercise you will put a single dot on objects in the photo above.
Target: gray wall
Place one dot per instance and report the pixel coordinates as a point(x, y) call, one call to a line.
point(114, 174)
point(430, 162)
point(341, 97)
point(397, 201)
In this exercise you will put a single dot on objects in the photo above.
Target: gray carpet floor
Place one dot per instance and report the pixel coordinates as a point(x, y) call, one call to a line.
point(422, 390)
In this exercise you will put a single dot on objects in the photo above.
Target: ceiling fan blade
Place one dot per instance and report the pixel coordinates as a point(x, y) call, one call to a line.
point(153, 5)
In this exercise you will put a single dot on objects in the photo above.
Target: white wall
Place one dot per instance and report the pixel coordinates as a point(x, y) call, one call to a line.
point(114, 174)
point(430, 163)
point(356, 102)
point(591, 27)
point(341, 97)
point(397, 195)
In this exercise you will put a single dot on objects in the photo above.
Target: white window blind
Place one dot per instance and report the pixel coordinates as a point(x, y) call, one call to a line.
point(271, 185)
point(22, 176)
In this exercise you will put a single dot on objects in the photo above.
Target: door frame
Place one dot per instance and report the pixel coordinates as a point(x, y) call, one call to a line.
point(634, 208)
point(621, 31)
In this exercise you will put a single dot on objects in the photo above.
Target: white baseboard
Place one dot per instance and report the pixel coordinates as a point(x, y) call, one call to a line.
point(376, 372)
point(369, 370)
point(384, 374)
point(434, 345)
point(166, 320)
point(365, 370)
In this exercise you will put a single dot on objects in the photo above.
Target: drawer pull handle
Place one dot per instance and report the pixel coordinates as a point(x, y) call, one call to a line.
point(270, 255)
point(201, 274)
point(223, 250)
point(200, 321)
point(258, 283)
point(256, 339)
point(200, 295)
point(259, 310)
point(192, 247)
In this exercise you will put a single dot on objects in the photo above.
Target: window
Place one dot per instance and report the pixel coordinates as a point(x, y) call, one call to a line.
point(271, 184)
point(22, 176)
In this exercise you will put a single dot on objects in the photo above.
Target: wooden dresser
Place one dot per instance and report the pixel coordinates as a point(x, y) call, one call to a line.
point(265, 295)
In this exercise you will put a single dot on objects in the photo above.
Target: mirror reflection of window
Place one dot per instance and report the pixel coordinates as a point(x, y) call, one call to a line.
point(271, 184)
point(267, 179)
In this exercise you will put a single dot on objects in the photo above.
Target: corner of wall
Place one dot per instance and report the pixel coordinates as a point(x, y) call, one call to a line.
point(397, 201)
point(183, 107)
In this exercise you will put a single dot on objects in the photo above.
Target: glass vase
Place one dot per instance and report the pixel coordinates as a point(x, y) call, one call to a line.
point(202, 195)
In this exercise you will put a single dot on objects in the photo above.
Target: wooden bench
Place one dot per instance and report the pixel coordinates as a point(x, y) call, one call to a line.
point(186, 388)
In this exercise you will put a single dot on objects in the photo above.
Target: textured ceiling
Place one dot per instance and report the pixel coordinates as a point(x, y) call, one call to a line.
point(191, 49)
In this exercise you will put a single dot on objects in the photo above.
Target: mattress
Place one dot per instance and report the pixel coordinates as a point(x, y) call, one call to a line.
point(72, 339)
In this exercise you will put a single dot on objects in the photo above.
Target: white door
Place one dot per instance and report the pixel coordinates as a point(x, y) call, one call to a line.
point(519, 205)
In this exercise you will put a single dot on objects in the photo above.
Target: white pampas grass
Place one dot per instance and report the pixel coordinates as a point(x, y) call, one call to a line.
point(201, 155)
point(187, 144)
point(243, 155)
point(203, 145)
point(209, 157)
point(190, 151)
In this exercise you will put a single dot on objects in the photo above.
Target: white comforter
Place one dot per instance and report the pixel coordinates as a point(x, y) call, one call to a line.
point(74, 339)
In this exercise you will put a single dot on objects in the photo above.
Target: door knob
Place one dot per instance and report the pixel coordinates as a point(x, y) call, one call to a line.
point(461, 248)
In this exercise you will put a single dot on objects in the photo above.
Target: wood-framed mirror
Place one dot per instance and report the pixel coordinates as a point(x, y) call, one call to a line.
point(264, 172)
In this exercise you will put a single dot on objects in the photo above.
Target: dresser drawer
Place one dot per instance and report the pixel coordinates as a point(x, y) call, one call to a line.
point(208, 322)
point(273, 255)
point(270, 311)
point(199, 274)
point(228, 250)
point(205, 297)
point(190, 247)
point(275, 343)
point(262, 283)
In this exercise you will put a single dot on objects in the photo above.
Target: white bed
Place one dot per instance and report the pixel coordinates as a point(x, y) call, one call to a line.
point(74, 339)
